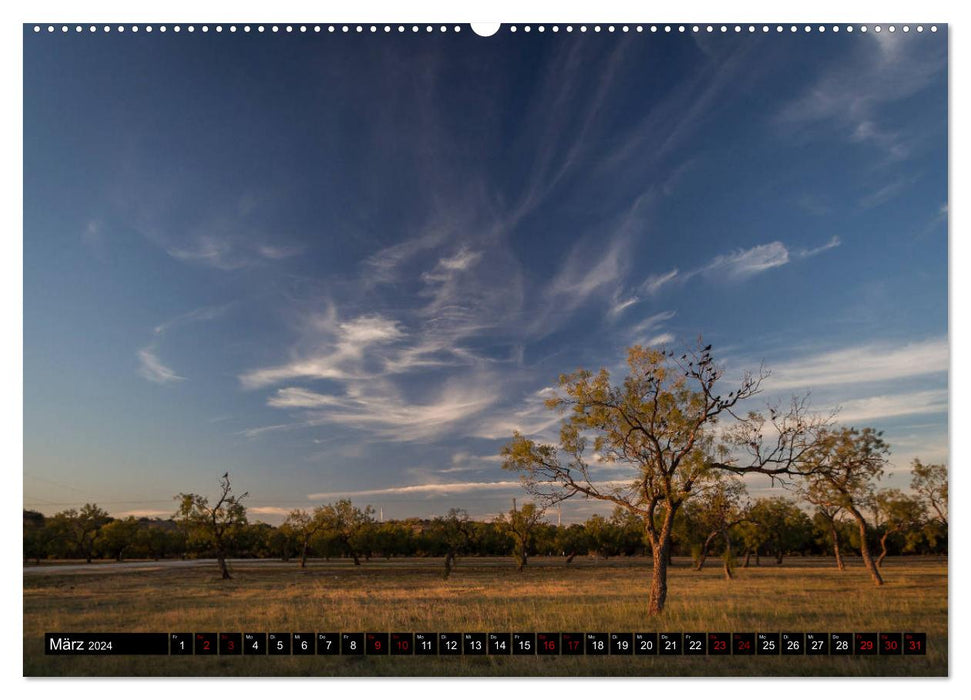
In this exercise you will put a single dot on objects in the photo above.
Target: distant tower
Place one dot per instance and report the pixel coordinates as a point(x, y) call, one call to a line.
point(559, 513)
point(381, 514)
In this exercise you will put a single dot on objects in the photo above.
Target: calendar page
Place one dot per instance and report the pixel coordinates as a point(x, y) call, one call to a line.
point(523, 349)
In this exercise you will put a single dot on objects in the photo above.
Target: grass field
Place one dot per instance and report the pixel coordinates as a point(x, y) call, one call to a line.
point(488, 595)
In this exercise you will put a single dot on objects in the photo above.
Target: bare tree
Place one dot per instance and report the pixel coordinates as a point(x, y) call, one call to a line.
point(660, 422)
point(219, 521)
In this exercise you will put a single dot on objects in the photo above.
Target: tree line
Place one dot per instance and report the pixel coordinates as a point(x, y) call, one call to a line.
point(722, 521)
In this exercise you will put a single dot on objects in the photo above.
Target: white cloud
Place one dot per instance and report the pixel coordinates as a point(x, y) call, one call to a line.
point(651, 322)
point(383, 414)
point(295, 397)
point(268, 510)
point(347, 341)
point(462, 260)
point(227, 252)
point(531, 420)
point(152, 369)
point(743, 264)
point(149, 364)
point(862, 363)
point(894, 405)
point(654, 283)
point(829, 245)
point(447, 489)
point(204, 313)
point(738, 265)
point(849, 96)
point(662, 339)
point(585, 273)
point(619, 305)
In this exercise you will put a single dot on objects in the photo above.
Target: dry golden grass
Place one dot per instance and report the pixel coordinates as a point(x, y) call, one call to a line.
point(488, 595)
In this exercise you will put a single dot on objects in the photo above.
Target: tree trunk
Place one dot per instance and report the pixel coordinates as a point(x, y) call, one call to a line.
point(221, 558)
point(704, 551)
point(836, 548)
point(570, 556)
point(661, 552)
point(883, 548)
point(778, 556)
point(659, 576)
point(357, 559)
point(758, 559)
point(449, 560)
point(865, 549)
point(748, 555)
point(522, 559)
point(303, 556)
point(729, 563)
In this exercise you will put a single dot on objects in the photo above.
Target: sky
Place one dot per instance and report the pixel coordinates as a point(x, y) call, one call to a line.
point(353, 265)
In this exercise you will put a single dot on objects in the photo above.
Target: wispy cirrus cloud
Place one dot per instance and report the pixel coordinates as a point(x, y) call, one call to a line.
point(870, 362)
point(342, 347)
point(269, 510)
point(738, 265)
point(362, 357)
point(426, 490)
point(911, 403)
point(227, 252)
point(531, 418)
point(150, 366)
point(850, 95)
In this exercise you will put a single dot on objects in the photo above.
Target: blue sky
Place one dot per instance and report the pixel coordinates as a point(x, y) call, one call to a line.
point(353, 265)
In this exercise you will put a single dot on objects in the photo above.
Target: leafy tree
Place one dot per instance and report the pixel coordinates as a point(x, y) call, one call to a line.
point(220, 521)
point(572, 540)
point(603, 535)
point(782, 526)
point(80, 530)
point(826, 521)
point(37, 535)
point(846, 464)
point(718, 508)
point(156, 539)
point(896, 513)
point(119, 536)
point(301, 527)
point(660, 422)
point(519, 524)
point(929, 481)
point(455, 534)
point(348, 526)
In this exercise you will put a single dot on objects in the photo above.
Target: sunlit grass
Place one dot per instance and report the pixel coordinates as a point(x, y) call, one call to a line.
point(489, 595)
